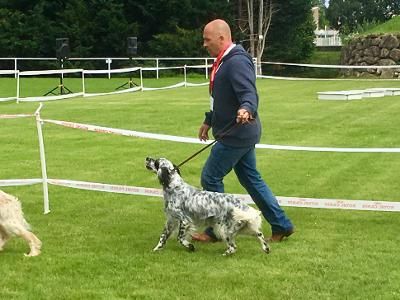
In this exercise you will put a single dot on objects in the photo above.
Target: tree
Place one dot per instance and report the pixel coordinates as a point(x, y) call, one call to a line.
point(163, 17)
point(180, 43)
point(347, 16)
point(255, 23)
point(96, 28)
point(291, 36)
point(19, 32)
point(163, 27)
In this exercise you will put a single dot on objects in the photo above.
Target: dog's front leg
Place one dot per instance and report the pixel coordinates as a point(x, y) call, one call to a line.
point(4, 237)
point(168, 229)
point(184, 227)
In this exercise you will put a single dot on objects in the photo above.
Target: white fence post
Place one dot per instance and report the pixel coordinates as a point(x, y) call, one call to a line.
point(109, 61)
point(206, 67)
point(141, 79)
point(157, 68)
point(15, 67)
point(42, 160)
point(83, 83)
point(17, 74)
point(185, 75)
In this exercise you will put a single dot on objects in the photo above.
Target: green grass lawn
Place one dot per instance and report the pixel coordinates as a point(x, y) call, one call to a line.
point(325, 57)
point(98, 245)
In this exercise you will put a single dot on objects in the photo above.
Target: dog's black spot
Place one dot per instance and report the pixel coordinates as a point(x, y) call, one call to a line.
point(157, 164)
point(164, 177)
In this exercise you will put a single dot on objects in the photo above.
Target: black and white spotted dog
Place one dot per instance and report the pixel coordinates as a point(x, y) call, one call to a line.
point(187, 206)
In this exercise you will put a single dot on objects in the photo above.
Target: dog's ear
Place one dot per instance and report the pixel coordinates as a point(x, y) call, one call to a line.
point(164, 176)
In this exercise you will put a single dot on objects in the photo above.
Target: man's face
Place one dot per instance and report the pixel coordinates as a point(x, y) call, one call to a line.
point(212, 41)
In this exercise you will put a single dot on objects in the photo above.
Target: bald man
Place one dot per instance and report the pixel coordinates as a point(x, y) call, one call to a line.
point(236, 126)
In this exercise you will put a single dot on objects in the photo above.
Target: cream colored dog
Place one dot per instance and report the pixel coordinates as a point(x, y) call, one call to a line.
point(13, 223)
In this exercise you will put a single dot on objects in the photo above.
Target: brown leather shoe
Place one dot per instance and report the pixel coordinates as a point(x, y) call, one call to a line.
point(278, 237)
point(203, 237)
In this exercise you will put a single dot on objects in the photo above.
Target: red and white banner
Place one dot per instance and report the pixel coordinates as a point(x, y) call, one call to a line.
point(111, 188)
point(154, 192)
point(283, 201)
point(174, 138)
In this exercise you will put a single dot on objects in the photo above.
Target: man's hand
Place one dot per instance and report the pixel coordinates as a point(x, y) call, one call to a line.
point(203, 132)
point(243, 116)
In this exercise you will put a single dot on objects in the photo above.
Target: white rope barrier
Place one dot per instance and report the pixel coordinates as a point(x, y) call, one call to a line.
point(2, 116)
point(331, 66)
point(8, 99)
point(124, 132)
point(50, 72)
point(162, 68)
point(180, 84)
point(323, 79)
point(134, 190)
point(50, 98)
point(18, 182)
point(129, 90)
point(173, 138)
point(329, 149)
point(370, 205)
point(196, 84)
point(199, 67)
point(111, 188)
point(284, 201)
point(8, 72)
point(112, 71)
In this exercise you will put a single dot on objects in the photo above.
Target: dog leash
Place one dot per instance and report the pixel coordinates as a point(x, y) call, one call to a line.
point(224, 133)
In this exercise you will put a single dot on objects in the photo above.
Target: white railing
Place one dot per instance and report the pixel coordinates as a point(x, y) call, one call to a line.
point(81, 72)
point(328, 41)
point(155, 61)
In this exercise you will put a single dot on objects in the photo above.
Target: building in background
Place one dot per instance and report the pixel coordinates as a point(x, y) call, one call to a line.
point(324, 37)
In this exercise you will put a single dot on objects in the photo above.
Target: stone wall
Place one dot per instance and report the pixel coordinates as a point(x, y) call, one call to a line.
point(380, 50)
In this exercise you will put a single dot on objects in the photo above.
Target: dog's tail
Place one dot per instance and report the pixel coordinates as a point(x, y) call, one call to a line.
point(251, 216)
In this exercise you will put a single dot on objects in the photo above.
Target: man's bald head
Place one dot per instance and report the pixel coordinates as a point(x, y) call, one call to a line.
point(216, 36)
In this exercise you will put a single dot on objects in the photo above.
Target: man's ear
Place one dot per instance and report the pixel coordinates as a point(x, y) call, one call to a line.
point(164, 176)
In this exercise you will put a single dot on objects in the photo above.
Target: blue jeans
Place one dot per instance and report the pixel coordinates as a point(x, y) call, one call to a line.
point(222, 160)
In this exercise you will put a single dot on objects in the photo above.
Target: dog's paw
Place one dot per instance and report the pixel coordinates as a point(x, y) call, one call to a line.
point(267, 250)
point(231, 249)
point(32, 253)
point(157, 249)
point(191, 248)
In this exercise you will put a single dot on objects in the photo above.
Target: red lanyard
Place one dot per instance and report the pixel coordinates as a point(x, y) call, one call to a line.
point(215, 67)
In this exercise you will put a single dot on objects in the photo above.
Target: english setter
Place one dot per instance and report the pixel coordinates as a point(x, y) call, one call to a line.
point(13, 223)
point(188, 206)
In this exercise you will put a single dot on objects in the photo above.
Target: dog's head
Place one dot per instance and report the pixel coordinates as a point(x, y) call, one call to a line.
point(164, 169)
